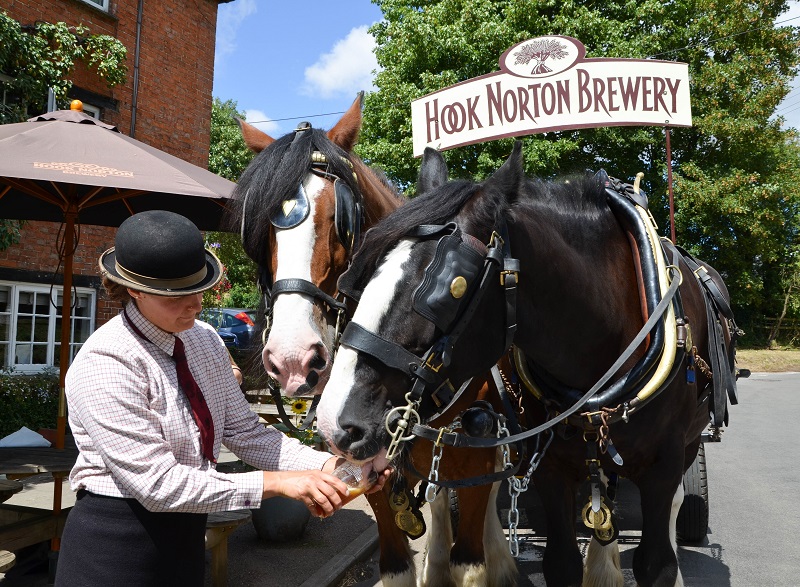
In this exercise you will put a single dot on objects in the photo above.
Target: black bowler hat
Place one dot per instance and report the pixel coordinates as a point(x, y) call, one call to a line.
point(162, 253)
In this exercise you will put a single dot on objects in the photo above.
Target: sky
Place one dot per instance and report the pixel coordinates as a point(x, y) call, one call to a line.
point(287, 62)
point(295, 59)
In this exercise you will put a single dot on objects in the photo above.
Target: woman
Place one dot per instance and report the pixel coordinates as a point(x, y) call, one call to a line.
point(151, 396)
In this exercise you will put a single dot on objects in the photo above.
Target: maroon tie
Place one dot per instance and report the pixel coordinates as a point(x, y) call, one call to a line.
point(200, 410)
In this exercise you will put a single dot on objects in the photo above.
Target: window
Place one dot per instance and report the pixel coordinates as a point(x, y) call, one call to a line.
point(101, 4)
point(30, 325)
point(91, 110)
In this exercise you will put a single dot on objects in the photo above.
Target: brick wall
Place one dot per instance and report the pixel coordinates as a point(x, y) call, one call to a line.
point(173, 104)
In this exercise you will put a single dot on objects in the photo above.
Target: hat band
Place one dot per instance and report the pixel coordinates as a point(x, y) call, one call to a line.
point(176, 283)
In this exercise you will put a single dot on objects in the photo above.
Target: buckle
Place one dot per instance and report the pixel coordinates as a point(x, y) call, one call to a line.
point(431, 366)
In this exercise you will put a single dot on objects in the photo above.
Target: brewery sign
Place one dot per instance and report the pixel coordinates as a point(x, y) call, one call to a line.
point(547, 84)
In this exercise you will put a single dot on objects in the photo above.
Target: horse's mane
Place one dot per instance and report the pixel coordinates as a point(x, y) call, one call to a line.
point(579, 197)
point(575, 203)
point(275, 174)
point(436, 207)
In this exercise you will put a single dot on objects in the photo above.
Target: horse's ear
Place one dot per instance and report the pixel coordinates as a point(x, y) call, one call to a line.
point(511, 175)
point(432, 171)
point(255, 139)
point(345, 133)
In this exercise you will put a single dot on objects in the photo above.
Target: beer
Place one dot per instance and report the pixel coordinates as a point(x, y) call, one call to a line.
point(353, 476)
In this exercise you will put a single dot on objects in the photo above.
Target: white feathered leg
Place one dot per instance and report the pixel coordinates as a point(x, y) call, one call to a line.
point(502, 566)
point(436, 565)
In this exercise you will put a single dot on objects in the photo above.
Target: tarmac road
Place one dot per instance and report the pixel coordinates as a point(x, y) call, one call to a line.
point(753, 480)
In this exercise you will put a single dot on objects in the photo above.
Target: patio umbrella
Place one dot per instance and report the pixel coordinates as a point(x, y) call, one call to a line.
point(65, 166)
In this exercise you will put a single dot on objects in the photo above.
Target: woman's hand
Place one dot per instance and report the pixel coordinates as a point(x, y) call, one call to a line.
point(322, 493)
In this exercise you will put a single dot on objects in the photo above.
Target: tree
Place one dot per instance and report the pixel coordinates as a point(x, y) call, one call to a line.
point(735, 169)
point(228, 157)
point(41, 57)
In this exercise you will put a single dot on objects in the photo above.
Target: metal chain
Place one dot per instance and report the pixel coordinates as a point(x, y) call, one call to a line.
point(518, 486)
point(408, 416)
point(702, 365)
point(438, 448)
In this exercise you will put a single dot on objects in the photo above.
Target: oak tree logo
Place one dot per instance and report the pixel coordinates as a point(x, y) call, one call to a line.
point(539, 51)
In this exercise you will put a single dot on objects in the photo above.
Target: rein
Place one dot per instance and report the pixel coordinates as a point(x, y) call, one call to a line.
point(460, 440)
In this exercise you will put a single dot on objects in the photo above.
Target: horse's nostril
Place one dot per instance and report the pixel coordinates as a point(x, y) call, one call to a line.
point(318, 361)
point(355, 433)
point(312, 379)
point(273, 368)
point(349, 437)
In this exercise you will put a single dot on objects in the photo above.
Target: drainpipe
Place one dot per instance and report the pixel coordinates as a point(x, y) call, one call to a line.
point(135, 99)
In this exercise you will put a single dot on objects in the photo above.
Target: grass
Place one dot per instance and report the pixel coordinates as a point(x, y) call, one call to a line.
point(768, 361)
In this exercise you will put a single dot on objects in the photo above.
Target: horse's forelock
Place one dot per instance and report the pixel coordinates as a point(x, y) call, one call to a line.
point(272, 176)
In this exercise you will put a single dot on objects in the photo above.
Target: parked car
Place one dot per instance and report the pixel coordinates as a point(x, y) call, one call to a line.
point(234, 325)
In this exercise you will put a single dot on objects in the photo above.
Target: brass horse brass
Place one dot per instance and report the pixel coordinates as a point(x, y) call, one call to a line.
point(409, 523)
point(398, 501)
point(458, 287)
point(288, 206)
point(599, 521)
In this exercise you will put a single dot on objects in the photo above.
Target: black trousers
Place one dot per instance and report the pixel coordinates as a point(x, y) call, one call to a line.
point(113, 542)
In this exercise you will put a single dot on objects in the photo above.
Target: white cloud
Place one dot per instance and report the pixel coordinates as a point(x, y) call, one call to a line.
point(344, 70)
point(262, 122)
point(229, 18)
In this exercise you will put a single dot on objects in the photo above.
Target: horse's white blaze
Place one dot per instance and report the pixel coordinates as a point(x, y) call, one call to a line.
point(374, 304)
point(294, 334)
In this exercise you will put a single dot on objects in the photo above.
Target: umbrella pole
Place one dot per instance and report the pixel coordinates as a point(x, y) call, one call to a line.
point(66, 329)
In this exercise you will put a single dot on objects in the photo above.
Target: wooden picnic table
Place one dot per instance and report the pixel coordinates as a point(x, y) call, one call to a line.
point(24, 461)
point(24, 526)
point(268, 412)
point(8, 488)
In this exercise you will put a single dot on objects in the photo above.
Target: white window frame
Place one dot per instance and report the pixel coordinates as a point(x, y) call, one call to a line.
point(100, 4)
point(91, 110)
point(8, 355)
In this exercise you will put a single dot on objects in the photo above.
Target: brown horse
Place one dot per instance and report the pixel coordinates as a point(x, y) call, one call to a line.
point(303, 202)
point(572, 273)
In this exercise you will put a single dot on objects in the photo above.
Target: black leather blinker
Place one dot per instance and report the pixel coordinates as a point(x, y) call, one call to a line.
point(448, 281)
point(348, 215)
point(293, 210)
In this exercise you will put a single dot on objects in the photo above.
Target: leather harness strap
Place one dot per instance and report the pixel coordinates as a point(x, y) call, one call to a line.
point(722, 368)
point(296, 285)
point(461, 440)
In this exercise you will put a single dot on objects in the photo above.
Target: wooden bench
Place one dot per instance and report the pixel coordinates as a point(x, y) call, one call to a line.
point(218, 527)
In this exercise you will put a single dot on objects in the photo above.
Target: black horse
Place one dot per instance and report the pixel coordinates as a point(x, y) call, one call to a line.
point(625, 347)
